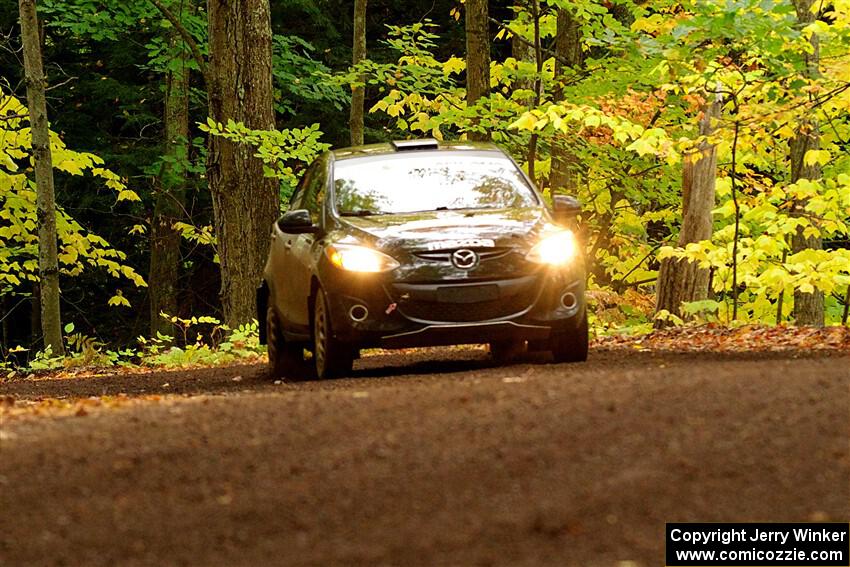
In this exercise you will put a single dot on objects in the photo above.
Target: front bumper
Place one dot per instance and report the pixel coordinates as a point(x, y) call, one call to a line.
point(465, 333)
point(402, 314)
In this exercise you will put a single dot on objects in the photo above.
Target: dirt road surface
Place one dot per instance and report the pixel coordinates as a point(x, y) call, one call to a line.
point(416, 461)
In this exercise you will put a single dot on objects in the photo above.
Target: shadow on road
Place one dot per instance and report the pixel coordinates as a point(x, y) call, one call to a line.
point(418, 364)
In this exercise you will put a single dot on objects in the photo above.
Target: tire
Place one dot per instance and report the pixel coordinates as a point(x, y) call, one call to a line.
point(332, 358)
point(286, 359)
point(570, 345)
point(507, 351)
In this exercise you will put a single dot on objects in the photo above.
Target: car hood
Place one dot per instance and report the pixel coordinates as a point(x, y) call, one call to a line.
point(411, 229)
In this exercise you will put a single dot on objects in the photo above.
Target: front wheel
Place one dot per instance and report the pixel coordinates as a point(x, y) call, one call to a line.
point(333, 358)
point(286, 359)
point(570, 345)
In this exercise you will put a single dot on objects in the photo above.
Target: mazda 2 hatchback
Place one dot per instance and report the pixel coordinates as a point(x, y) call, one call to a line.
point(419, 243)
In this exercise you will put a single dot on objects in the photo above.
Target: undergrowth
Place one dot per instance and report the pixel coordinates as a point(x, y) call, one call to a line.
point(198, 341)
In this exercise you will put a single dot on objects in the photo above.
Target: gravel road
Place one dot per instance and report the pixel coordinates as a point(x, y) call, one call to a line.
point(433, 458)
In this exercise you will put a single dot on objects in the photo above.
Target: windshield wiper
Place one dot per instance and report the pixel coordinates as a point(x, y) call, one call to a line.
point(443, 209)
point(361, 213)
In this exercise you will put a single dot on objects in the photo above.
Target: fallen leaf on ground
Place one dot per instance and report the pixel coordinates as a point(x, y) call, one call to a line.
point(747, 338)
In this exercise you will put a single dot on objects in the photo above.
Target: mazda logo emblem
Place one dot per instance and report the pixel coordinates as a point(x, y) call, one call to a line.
point(464, 259)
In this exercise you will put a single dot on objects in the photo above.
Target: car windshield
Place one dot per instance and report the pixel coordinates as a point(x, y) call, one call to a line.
point(429, 181)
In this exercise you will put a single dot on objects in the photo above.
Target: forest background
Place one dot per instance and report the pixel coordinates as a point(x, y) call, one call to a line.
point(707, 140)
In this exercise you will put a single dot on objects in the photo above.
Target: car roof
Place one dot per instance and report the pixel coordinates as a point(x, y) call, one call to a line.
point(389, 148)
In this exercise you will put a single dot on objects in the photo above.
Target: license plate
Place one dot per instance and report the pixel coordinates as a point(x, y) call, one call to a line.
point(468, 294)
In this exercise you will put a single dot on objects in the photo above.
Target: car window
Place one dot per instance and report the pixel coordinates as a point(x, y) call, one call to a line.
point(314, 193)
point(296, 201)
point(298, 194)
point(429, 181)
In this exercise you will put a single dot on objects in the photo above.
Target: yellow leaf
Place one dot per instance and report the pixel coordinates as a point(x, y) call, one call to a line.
point(786, 132)
point(70, 166)
point(592, 120)
point(453, 65)
point(118, 300)
point(811, 231)
point(642, 146)
point(650, 24)
point(525, 122)
point(127, 195)
point(817, 157)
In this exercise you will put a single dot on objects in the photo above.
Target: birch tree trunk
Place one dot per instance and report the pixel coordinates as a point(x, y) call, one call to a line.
point(808, 307)
point(245, 202)
point(170, 197)
point(477, 56)
point(358, 94)
point(48, 262)
point(679, 280)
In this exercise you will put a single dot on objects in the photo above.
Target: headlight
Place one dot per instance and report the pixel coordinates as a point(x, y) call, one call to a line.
point(359, 259)
point(556, 250)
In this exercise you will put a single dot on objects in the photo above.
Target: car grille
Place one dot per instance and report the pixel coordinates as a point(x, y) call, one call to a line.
point(452, 312)
point(484, 254)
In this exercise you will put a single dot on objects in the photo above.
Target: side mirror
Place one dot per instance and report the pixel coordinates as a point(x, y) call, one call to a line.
point(298, 221)
point(566, 208)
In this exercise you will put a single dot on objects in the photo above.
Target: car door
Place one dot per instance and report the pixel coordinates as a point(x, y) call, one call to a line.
point(304, 248)
point(284, 290)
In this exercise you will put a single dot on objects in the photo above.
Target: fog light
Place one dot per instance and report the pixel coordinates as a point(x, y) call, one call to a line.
point(568, 300)
point(358, 313)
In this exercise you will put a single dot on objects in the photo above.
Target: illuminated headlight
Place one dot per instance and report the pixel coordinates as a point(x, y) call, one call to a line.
point(359, 259)
point(556, 250)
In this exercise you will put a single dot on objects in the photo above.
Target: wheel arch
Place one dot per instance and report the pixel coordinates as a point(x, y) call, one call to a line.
point(311, 301)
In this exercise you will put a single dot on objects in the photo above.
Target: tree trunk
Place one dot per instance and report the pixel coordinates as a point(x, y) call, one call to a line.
point(245, 202)
point(48, 262)
point(563, 174)
point(808, 307)
point(5, 312)
point(477, 57)
point(358, 94)
point(522, 51)
point(538, 88)
point(680, 280)
point(35, 315)
point(170, 197)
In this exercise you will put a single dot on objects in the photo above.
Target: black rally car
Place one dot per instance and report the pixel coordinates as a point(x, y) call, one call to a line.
point(419, 243)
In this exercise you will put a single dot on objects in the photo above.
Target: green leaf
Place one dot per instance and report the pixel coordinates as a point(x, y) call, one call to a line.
point(704, 306)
